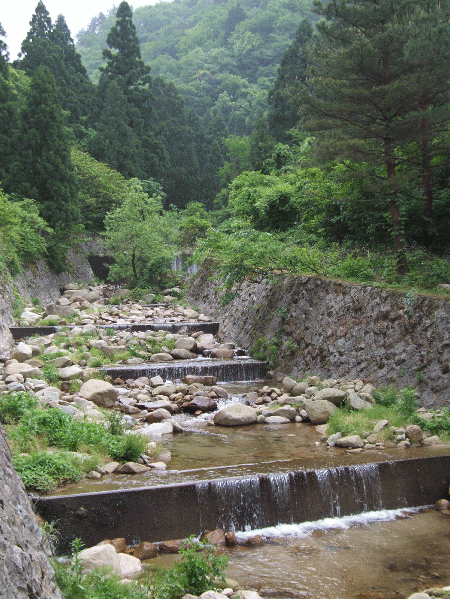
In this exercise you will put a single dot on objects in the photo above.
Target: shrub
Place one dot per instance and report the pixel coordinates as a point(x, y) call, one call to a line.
point(127, 448)
point(197, 571)
point(45, 471)
point(14, 406)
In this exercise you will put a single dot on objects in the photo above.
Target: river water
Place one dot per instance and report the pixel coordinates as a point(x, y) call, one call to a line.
point(377, 555)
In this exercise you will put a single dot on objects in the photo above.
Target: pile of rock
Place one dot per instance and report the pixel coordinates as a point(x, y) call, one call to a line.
point(126, 561)
point(89, 306)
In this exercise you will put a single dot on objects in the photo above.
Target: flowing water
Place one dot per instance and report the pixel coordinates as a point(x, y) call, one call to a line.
point(376, 555)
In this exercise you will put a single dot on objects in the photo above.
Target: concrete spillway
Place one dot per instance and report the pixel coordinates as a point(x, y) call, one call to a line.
point(176, 511)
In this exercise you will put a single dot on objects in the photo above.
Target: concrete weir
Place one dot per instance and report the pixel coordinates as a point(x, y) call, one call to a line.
point(176, 511)
point(242, 369)
point(170, 327)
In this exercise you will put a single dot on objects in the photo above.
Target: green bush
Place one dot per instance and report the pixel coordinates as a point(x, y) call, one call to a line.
point(196, 573)
point(127, 448)
point(15, 406)
point(45, 471)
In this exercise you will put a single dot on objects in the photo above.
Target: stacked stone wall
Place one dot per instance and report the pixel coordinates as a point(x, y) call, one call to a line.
point(337, 329)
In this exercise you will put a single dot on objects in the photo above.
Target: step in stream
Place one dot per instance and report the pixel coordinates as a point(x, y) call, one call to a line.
point(169, 327)
point(239, 369)
point(176, 511)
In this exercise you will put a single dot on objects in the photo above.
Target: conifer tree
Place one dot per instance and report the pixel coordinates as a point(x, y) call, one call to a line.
point(115, 142)
point(36, 48)
point(364, 93)
point(123, 55)
point(8, 111)
point(283, 109)
point(42, 168)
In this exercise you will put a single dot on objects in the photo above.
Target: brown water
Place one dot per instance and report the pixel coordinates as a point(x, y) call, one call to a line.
point(346, 559)
point(207, 452)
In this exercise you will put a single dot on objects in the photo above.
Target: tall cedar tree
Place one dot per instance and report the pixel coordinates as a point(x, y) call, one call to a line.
point(115, 142)
point(123, 55)
point(155, 113)
point(42, 168)
point(283, 109)
point(53, 46)
point(8, 111)
point(363, 92)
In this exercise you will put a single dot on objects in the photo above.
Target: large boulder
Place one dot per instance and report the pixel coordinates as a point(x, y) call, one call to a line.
point(100, 392)
point(156, 430)
point(201, 403)
point(26, 370)
point(236, 414)
point(21, 352)
point(100, 556)
point(69, 373)
point(319, 411)
point(182, 354)
point(335, 396)
point(350, 442)
point(188, 343)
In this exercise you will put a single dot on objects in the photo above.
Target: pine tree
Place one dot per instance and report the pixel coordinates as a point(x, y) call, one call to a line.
point(36, 48)
point(77, 94)
point(364, 93)
point(283, 109)
point(42, 169)
point(115, 142)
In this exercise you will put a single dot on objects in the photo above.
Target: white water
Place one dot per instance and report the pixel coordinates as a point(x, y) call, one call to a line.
point(306, 528)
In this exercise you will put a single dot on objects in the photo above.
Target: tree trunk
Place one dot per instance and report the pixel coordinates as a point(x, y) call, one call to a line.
point(426, 175)
point(399, 244)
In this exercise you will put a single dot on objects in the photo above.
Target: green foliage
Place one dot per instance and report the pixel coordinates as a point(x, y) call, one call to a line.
point(99, 584)
point(195, 573)
point(21, 232)
point(127, 448)
point(15, 406)
point(45, 471)
point(32, 428)
point(407, 403)
point(101, 189)
point(349, 422)
point(137, 237)
point(50, 373)
point(42, 167)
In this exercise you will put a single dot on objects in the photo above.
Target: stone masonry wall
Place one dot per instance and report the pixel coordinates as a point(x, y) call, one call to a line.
point(25, 572)
point(338, 329)
point(38, 281)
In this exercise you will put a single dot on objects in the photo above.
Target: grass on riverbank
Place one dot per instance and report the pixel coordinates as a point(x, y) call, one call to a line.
point(399, 408)
point(196, 572)
point(50, 447)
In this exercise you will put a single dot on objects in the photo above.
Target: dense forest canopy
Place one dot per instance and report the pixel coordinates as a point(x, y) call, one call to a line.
point(268, 135)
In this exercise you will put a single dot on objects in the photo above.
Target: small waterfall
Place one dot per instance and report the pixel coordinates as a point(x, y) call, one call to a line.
point(242, 504)
point(179, 510)
point(237, 501)
point(224, 370)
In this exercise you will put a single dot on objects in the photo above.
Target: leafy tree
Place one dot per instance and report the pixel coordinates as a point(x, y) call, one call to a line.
point(42, 168)
point(101, 189)
point(21, 232)
point(4, 54)
point(137, 236)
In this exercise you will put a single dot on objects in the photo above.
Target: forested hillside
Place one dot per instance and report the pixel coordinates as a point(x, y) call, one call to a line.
point(222, 55)
point(267, 135)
